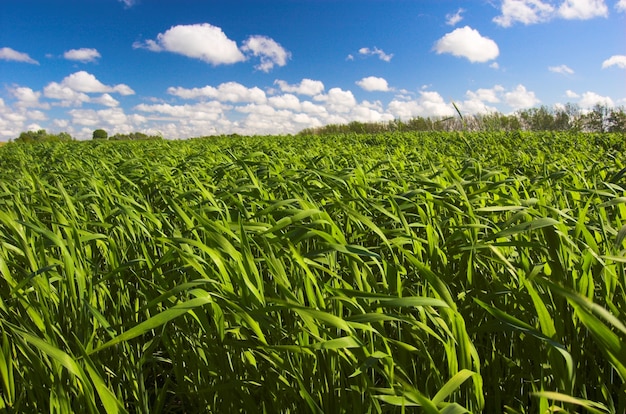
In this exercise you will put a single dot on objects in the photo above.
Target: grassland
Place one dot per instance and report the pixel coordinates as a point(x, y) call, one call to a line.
point(400, 272)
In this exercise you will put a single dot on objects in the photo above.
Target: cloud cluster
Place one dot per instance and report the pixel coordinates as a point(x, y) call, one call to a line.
point(468, 43)
point(539, 11)
point(73, 90)
point(210, 44)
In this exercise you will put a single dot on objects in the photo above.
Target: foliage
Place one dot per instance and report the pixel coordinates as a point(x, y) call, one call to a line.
point(133, 136)
point(100, 134)
point(390, 272)
point(568, 118)
point(42, 136)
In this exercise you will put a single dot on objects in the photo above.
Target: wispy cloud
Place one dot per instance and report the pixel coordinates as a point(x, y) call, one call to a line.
point(6, 53)
point(366, 51)
point(453, 19)
point(538, 11)
point(562, 69)
point(615, 60)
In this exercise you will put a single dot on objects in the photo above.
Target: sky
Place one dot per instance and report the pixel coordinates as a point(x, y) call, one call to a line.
point(188, 68)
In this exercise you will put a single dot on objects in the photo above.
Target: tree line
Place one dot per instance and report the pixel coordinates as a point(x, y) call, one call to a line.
point(567, 118)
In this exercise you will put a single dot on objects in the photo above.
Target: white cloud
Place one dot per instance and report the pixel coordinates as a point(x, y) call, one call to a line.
point(373, 83)
point(128, 3)
point(270, 52)
point(86, 82)
point(338, 100)
point(82, 55)
point(494, 65)
point(305, 87)
point(203, 111)
point(524, 11)
point(429, 103)
point(366, 51)
point(199, 41)
point(562, 69)
point(453, 19)
point(590, 99)
point(621, 6)
point(583, 9)
point(225, 92)
point(28, 98)
point(6, 53)
point(539, 11)
point(468, 43)
point(106, 100)
point(65, 94)
point(571, 94)
point(521, 98)
point(286, 101)
point(615, 60)
point(486, 95)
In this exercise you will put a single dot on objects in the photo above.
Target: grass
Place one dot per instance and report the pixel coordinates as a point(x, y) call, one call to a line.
point(403, 272)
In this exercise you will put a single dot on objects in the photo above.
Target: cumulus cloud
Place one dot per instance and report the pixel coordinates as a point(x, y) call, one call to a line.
point(468, 43)
point(571, 94)
point(28, 98)
point(591, 99)
point(86, 82)
point(6, 53)
point(73, 90)
point(562, 69)
point(583, 9)
point(286, 101)
point(83, 55)
point(615, 60)
point(66, 95)
point(452, 19)
point(621, 6)
point(521, 98)
point(225, 92)
point(199, 41)
point(305, 87)
point(429, 103)
point(366, 51)
point(373, 83)
point(539, 11)
point(270, 52)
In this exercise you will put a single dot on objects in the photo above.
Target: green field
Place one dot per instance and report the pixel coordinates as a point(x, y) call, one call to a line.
point(398, 272)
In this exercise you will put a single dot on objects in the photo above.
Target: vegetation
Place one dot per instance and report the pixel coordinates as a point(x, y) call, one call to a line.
point(133, 136)
point(568, 118)
point(42, 136)
point(391, 272)
point(100, 134)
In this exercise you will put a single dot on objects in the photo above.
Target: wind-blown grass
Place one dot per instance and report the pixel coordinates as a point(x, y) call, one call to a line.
point(362, 273)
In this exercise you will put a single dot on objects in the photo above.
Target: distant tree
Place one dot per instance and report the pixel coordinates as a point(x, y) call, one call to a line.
point(616, 120)
point(100, 134)
point(42, 136)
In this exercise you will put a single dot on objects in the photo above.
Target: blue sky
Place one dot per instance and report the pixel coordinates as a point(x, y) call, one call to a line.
point(184, 68)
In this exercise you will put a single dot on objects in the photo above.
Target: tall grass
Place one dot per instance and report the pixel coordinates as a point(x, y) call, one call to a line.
point(363, 273)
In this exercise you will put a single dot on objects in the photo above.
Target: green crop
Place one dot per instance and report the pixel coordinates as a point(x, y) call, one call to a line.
point(399, 272)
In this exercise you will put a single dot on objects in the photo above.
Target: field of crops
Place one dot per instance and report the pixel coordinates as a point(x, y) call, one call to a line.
point(399, 272)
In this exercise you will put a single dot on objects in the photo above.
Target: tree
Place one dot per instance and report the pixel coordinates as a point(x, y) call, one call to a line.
point(42, 136)
point(100, 134)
